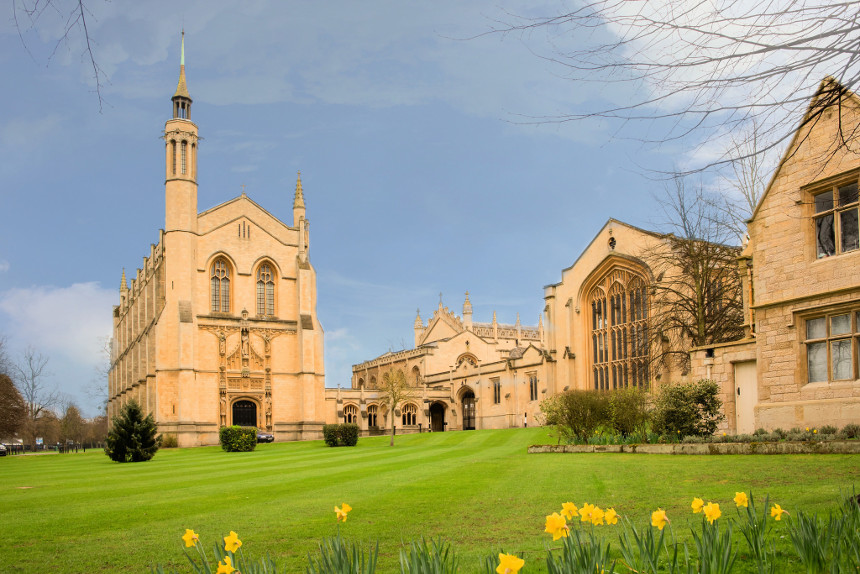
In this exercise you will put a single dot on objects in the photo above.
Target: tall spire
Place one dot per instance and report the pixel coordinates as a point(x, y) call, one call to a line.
point(123, 284)
point(181, 99)
point(299, 200)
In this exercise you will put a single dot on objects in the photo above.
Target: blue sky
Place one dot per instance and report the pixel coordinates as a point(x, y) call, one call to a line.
point(422, 171)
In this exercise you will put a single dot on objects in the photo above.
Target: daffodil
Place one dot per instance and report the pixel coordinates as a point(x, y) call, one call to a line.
point(712, 512)
point(659, 518)
point(585, 512)
point(776, 511)
point(190, 537)
point(569, 510)
point(232, 542)
point(597, 516)
point(697, 505)
point(226, 567)
point(341, 512)
point(741, 499)
point(556, 525)
point(509, 564)
point(611, 516)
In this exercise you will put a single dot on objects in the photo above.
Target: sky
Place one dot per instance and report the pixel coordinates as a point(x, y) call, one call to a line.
point(425, 162)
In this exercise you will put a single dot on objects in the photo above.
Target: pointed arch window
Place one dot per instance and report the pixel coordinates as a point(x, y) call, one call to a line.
point(372, 416)
point(350, 414)
point(219, 287)
point(265, 291)
point(619, 332)
point(410, 414)
point(184, 155)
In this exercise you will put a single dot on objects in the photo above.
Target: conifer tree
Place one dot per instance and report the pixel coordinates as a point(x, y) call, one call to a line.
point(132, 437)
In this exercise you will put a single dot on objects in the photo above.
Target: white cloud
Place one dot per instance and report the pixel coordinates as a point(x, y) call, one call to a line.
point(67, 321)
point(4, 265)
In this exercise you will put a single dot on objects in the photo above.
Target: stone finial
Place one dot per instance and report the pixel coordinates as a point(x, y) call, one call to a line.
point(123, 284)
point(299, 200)
point(518, 319)
point(467, 305)
point(494, 318)
point(419, 323)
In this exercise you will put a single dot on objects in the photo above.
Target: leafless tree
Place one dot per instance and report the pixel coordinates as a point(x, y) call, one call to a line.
point(72, 424)
point(73, 15)
point(394, 390)
point(5, 365)
point(97, 389)
point(30, 374)
point(696, 295)
point(703, 69)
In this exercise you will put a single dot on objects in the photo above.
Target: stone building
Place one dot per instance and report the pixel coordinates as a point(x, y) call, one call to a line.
point(219, 324)
point(798, 364)
point(467, 375)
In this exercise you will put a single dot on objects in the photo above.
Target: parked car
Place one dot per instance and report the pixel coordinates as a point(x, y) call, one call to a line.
point(3, 451)
point(265, 437)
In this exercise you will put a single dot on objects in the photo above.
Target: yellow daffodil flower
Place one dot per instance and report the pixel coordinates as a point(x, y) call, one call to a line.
point(569, 510)
point(232, 542)
point(776, 511)
point(226, 567)
point(814, 431)
point(585, 512)
point(611, 516)
point(659, 518)
point(597, 516)
point(741, 499)
point(509, 564)
point(697, 505)
point(341, 512)
point(556, 525)
point(190, 537)
point(712, 512)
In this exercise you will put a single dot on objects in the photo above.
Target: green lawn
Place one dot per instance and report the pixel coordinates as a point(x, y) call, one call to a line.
point(478, 489)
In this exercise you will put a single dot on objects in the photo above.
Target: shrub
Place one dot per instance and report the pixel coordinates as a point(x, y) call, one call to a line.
point(781, 433)
point(760, 431)
point(169, 441)
point(341, 434)
point(828, 429)
point(578, 414)
point(238, 439)
point(849, 431)
point(132, 437)
point(628, 410)
point(688, 409)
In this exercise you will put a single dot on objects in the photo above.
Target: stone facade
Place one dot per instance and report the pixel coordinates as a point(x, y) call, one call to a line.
point(219, 325)
point(798, 365)
point(467, 375)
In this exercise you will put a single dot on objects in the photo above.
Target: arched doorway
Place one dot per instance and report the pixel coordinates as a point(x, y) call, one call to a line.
point(437, 417)
point(245, 414)
point(469, 410)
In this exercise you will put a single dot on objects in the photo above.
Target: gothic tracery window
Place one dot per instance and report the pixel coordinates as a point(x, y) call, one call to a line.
point(619, 332)
point(372, 416)
point(220, 286)
point(350, 414)
point(410, 414)
point(265, 291)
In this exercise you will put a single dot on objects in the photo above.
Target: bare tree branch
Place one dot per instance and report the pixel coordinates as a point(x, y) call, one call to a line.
point(29, 374)
point(703, 69)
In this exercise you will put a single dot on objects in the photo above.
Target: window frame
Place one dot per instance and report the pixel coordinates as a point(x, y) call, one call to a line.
point(265, 300)
point(407, 413)
point(350, 414)
point(835, 212)
point(220, 296)
point(828, 339)
point(497, 390)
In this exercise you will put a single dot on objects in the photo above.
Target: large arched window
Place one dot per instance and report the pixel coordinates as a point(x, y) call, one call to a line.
point(619, 332)
point(220, 286)
point(410, 414)
point(372, 416)
point(265, 291)
point(350, 414)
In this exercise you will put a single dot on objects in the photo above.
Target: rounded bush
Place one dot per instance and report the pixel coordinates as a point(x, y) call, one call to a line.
point(238, 439)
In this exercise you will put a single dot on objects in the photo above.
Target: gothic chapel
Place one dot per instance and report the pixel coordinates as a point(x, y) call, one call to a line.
point(219, 325)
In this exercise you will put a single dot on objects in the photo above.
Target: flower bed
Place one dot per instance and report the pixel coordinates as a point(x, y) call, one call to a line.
point(782, 447)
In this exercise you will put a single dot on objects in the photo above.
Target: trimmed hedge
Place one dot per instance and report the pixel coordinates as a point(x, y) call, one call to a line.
point(341, 435)
point(238, 439)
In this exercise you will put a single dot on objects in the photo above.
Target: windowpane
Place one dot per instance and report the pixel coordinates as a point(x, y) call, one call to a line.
point(840, 325)
point(840, 355)
point(824, 238)
point(848, 194)
point(816, 328)
point(823, 202)
point(849, 238)
point(816, 356)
